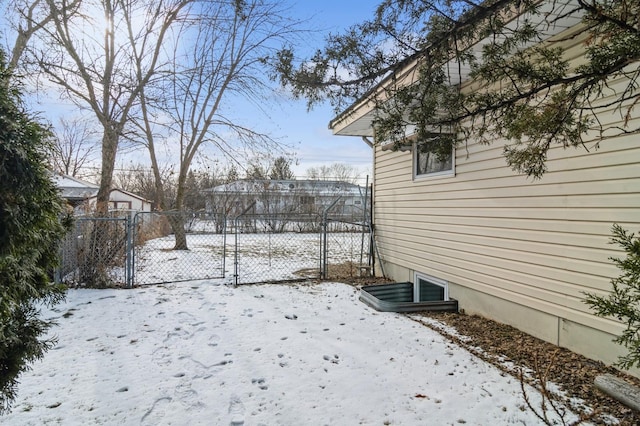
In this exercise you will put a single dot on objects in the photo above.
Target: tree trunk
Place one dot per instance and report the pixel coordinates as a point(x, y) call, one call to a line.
point(98, 256)
point(109, 149)
point(177, 224)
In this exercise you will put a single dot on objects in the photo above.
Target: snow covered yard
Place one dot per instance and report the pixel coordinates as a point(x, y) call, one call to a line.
point(205, 353)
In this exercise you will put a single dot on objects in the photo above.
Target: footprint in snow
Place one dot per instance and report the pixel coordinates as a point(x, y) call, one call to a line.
point(155, 415)
point(334, 359)
point(282, 363)
point(161, 356)
point(106, 297)
point(236, 411)
point(177, 333)
point(187, 396)
point(185, 317)
point(260, 383)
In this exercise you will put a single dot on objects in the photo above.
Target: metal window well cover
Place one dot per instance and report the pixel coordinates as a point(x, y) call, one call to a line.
point(398, 297)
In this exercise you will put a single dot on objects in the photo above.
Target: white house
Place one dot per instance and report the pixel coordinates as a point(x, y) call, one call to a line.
point(81, 195)
point(271, 196)
point(517, 250)
point(127, 201)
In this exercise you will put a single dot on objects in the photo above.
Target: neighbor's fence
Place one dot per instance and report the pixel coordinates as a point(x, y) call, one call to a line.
point(150, 248)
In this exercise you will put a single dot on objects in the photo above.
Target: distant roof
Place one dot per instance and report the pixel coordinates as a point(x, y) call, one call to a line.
point(73, 188)
point(131, 194)
point(318, 187)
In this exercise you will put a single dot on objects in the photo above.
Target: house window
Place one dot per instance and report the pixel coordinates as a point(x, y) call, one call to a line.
point(428, 289)
point(429, 162)
point(120, 205)
point(307, 200)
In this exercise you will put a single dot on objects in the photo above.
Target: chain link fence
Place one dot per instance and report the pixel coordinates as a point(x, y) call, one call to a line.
point(348, 242)
point(273, 249)
point(95, 253)
point(346, 253)
point(329, 244)
point(158, 247)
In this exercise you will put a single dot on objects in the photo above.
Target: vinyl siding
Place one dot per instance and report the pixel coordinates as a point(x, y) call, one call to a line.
point(542, 243)
point(537, 243)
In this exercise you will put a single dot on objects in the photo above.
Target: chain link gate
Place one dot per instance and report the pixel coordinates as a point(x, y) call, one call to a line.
point(346, 250)
point(178, 246)
point(275, 248)
point(347, 242)
point(278, 247)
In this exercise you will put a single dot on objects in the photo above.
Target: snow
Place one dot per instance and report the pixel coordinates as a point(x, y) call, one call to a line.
point(261, 256)
point(203, 352)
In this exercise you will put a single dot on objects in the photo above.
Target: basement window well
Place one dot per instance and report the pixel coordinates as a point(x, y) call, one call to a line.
point(426, 293)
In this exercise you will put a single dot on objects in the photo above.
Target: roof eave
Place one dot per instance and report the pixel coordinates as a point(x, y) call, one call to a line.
point(358, 118)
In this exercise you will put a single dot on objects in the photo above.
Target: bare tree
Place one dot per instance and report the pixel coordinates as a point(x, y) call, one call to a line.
point(24, 18)
point(90, 55)
point(140, 180)
point(230, 42)
point(72, 146)
point(336, 171)
point(257, 170)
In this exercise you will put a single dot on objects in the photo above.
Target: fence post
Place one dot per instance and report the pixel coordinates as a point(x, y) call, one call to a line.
point(134, 238)
point(224, 247)
point(324, 258)
point(364, 220)
point(128, 275)
point(235, 251)
point(323, 236)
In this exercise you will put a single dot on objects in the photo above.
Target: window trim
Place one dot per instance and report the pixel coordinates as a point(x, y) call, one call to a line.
point(420, 176)
point(417, 276)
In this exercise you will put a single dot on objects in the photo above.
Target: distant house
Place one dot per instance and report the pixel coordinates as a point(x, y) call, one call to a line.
point(76, 192)
point(518, 251)
point(81, 196)
point(270, 196)
point(128, 201)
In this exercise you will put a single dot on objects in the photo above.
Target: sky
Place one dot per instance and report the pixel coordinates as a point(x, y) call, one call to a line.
point(317, 144)
point(289, 122)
